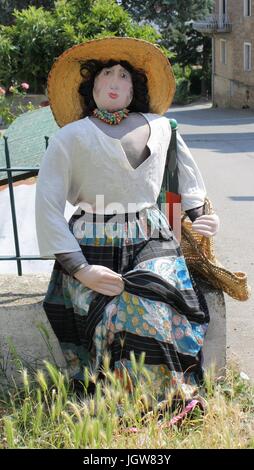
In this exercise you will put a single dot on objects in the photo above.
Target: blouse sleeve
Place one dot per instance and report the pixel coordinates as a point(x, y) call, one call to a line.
point(53, 182)
point(72, 262)
point(190, 182)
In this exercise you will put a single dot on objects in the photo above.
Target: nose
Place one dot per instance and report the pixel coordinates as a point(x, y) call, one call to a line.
point(113, 86)
point(114, 83)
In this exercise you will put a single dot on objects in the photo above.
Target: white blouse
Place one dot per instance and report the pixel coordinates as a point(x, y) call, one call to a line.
point(90, 169)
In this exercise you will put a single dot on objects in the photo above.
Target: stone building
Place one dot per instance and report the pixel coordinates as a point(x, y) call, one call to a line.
point(232, 30)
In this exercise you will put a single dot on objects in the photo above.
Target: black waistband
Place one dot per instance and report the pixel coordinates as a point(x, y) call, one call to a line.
point(124, 217)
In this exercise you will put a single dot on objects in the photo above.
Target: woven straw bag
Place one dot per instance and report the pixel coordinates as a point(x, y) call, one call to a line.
point(199, 254)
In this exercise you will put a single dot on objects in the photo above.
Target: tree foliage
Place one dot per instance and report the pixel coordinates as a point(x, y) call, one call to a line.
point(37, 34)
point(29, 46)
point(173, 18)
point(7, 8)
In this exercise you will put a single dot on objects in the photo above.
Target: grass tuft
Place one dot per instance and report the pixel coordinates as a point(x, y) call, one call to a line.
point(44, 412)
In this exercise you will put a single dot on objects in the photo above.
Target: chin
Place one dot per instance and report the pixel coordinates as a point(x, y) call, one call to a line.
point(112, 108)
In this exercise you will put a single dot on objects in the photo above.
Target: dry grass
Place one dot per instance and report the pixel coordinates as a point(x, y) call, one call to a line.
point(44, 413)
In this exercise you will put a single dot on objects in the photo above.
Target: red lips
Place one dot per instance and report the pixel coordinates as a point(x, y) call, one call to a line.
point(113, 95)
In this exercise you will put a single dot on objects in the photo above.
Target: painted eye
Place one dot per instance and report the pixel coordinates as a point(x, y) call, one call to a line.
point(106, 72)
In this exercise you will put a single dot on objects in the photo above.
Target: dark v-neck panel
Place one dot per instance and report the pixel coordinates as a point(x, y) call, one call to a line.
point(118, 141)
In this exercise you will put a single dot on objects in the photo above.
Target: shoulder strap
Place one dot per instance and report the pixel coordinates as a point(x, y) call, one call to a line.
point(170, 178)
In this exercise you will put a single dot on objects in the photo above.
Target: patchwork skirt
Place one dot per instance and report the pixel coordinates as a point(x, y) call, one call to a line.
point(161, 311)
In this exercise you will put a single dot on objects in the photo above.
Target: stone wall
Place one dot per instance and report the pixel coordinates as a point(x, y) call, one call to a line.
point(22, 322)
point(232, 93)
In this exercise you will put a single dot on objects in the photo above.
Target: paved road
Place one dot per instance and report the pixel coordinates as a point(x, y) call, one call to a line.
point(222, 143)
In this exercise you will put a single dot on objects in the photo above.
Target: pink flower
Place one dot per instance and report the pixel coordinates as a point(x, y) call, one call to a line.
point(178, 333)
point(2, 91)
point(176, 319)
point(24, 85)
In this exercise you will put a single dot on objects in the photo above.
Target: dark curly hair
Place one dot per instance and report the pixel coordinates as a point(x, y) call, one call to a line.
point(91, 68)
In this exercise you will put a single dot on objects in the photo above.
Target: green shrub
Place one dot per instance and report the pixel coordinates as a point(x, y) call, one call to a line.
point(29, 47)
point(195, 81)
point(11, 102)
point(182, 91)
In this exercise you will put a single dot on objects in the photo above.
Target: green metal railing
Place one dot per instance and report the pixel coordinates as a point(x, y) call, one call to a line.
point(28, 172)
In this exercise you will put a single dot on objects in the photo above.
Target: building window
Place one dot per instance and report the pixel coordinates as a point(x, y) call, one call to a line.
point(247, 56)
point(223, 7)
point(223, 52)
point(247, 7)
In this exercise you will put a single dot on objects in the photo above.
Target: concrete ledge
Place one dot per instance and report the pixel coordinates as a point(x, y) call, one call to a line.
point(214, 349)
point(22, 319)
point(22, 316)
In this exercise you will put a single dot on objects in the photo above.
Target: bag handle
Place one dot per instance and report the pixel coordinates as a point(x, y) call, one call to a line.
point(170, 177)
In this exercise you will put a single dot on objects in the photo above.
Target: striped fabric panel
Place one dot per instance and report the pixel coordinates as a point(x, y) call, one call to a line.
point(156, 352)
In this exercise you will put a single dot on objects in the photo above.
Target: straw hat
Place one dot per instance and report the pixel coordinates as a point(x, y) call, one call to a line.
point(64, 77)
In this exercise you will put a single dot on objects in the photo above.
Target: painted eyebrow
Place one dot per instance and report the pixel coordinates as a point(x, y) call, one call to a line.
point(121, 69)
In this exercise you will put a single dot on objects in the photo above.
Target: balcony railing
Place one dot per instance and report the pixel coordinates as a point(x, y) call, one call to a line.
point(213, 24)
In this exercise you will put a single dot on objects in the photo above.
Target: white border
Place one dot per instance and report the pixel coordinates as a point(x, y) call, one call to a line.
point(244, 56)
point(225, 42)
point(245, 4)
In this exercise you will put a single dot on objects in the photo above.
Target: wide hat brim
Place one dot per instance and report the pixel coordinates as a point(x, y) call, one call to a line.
point(64, 77)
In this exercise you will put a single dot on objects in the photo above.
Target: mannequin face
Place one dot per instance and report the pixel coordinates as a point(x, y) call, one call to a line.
point(113, 88)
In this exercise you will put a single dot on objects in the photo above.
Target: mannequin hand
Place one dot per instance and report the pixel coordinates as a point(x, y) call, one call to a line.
point(207, 225)
point(101, 279)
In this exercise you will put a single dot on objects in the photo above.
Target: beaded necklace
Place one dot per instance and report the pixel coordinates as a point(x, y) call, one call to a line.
point(111, 118)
